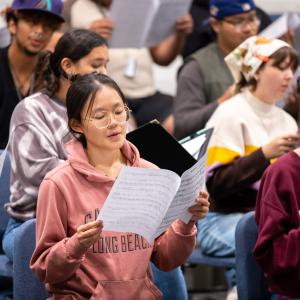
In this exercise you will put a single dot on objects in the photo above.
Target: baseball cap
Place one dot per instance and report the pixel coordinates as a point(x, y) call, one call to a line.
point(51, 7)
point(220, 9)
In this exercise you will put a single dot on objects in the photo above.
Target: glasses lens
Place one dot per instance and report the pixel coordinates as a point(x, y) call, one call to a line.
point(120, 115)
point(242, 23)
point(253, 21)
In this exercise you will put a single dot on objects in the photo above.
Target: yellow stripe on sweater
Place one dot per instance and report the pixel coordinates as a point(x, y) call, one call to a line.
point(224, 155)
point(249, 149)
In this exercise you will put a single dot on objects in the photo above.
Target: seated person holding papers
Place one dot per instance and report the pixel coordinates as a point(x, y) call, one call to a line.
point(250, 131)
point(75, 255)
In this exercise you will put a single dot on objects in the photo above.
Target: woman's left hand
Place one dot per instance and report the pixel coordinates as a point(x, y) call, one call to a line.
point(200, 209)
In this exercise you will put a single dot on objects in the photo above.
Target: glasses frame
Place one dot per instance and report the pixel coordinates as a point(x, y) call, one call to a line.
point(128, 112)
point(242, 24)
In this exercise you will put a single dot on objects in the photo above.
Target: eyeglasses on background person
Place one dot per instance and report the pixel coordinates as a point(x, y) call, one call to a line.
point(240, 23)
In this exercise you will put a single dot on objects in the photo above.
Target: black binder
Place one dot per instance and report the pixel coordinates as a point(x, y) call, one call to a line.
point(156, 145)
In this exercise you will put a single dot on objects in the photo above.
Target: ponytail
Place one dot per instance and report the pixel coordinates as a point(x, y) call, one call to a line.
point(47, 75)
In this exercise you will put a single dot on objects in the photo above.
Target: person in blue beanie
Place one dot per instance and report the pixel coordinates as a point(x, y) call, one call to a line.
point(205, 81)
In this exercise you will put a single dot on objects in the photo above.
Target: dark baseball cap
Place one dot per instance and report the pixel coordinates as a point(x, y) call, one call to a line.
point(220, 9)
point(51, 7)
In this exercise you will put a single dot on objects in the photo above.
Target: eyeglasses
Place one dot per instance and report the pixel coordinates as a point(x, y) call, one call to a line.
point(102, 119)
point(239, 24)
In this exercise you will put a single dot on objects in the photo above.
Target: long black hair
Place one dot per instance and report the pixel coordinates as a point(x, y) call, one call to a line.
point(74, 45)
point(83, 90)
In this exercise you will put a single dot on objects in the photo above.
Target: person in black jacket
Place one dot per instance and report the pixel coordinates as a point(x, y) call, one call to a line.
point(31, 25)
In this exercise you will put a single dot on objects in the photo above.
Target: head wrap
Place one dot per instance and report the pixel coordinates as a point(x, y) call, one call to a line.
point(247, 57)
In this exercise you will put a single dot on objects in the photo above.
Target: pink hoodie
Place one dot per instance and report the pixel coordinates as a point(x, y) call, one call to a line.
point(115, 267)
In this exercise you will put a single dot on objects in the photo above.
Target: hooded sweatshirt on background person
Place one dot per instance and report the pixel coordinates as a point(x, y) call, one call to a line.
point(117, 265)
point(278, 219)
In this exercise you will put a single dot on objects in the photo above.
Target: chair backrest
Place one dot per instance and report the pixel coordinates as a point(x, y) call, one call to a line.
point(5, 264)
point(4, 195)
point(198, 258)
point(26, 285)
point(251, 284)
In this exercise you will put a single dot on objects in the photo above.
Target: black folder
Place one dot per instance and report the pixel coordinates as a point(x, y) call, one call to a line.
point(156, 145)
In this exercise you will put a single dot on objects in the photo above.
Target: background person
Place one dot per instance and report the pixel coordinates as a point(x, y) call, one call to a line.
point(277, 215)
point(137, 84)
point(249, 132)
point(203, 34)
point(39, 126)
point(205, 81)
point(31, 25)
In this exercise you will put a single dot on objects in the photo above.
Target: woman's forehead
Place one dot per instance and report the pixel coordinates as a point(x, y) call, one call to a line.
point(105, 98)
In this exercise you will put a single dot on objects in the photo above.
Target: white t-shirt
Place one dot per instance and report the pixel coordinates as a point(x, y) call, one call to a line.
point(130, 68)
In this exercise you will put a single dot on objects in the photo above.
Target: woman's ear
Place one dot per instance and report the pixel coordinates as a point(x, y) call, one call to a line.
point(68, 66)
point(76, 126)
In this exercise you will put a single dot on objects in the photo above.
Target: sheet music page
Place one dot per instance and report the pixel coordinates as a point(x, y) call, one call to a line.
point(276, 29)
point(293, 20)
point(4, 4)
point(132, 19)
point(2, 158)
point(193, 146)
point(192, 181)
point(139, 200)
point(164, 22)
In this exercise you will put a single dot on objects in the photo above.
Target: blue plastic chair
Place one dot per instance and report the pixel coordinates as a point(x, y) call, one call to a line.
point(6, 269)
point(251, 283)
point(25, 282)
point(199, 258)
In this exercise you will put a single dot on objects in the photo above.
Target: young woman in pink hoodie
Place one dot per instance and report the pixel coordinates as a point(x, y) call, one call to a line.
point(75, 257)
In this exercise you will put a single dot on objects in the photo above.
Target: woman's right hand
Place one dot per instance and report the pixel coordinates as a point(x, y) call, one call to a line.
point(280, 145)
point(89, 233)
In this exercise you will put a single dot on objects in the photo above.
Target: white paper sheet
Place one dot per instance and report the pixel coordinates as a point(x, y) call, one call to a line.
point(144, 23)
point(139, 200)
point(2, 159)
point(193, 146)
point(132, 21)
point(192, 181)
point(147, 201)
point(280, 26)
point(163, 24)
point(3, 5)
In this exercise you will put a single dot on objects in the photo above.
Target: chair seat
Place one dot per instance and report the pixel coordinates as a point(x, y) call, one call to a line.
point(251, 283)
point(6, 267)
point(197, 257)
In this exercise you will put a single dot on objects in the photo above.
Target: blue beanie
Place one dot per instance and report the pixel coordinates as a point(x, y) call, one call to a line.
point(220, 9)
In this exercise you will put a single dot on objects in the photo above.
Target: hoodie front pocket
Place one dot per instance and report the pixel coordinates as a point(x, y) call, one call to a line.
point(137, 289)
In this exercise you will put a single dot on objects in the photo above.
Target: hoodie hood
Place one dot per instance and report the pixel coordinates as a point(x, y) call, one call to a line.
point(78, 160)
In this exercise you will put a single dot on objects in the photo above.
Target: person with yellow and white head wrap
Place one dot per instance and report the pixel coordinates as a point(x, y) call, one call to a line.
point(249, 132)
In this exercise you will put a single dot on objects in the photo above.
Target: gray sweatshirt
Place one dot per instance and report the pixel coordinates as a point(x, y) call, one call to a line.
point(38, 132)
